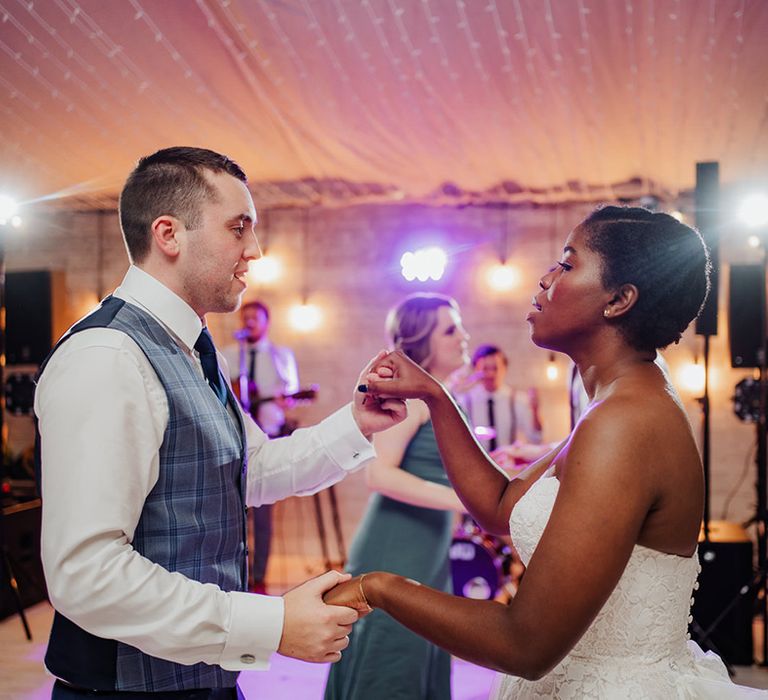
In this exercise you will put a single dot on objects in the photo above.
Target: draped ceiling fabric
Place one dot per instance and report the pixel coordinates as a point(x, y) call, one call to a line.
point(339, 101)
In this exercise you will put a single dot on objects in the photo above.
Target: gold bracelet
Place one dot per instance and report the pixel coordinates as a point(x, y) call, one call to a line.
point(362, 593)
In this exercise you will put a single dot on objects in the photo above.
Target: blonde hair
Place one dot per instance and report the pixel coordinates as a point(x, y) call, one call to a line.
point(409, 325)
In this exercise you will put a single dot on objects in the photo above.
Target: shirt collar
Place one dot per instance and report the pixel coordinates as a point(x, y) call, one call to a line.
point(140, 288)
point(501, 392)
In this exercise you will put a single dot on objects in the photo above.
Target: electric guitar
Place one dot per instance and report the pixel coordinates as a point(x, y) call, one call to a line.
point(304, 395)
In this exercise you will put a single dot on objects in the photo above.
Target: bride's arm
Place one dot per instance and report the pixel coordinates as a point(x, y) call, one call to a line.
point(602, 502)
point(484, 488)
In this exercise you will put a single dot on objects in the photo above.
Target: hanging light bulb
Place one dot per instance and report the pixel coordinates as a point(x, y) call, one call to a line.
point(503, 277)
point(305, 317)
point(264, 270)
point(691, 376)
point(552, 370)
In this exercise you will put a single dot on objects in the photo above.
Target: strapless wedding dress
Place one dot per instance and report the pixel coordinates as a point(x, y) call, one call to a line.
point(637, 647)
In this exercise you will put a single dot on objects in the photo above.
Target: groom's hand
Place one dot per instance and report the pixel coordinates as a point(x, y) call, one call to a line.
point(374, 414)
point(312, 630)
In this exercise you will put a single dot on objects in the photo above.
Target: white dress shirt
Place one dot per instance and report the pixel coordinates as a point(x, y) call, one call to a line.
point(275, 374)
point(102, 415)
point(512, 414)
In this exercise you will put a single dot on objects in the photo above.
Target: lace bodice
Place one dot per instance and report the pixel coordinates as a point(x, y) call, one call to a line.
point(637, 646)
point(648, 609)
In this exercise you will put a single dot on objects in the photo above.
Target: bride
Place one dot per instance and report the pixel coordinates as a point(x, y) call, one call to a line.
point(608, 522)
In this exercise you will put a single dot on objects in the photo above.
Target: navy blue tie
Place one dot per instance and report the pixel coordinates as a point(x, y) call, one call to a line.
point(493, 442)
point(204, 346)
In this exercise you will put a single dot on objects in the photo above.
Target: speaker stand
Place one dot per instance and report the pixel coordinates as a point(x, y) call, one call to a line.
point(9, 579)
point(705, 440)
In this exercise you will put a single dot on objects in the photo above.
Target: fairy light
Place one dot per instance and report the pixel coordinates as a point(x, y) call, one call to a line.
point(265, 270)
point(305, 317)
point(552, 370)
point(503, 277)
point(691, 377)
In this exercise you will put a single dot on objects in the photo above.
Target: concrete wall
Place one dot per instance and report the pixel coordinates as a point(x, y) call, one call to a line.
point(347, 262)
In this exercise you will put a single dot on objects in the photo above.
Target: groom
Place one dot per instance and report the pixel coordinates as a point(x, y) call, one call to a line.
point(148, 462)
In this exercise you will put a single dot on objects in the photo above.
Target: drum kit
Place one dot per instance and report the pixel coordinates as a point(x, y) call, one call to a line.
point(482, 566)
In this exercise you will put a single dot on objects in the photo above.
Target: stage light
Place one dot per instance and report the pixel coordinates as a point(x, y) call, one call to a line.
point(753, 241)
point(264, 270)
point(754, 210)
point(691, 377)
point(503, 277)
point(305, 317)
point(8, 207)
point(552, 371)
point(16, 221)
point(423, 264)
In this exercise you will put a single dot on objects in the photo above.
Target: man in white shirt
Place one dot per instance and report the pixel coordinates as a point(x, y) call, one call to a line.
point(148, 462)
point(502, 417)
point(268, 370)
point(261, 370)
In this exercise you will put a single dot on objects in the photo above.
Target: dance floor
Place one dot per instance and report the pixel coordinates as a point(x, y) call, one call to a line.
point(22, 676)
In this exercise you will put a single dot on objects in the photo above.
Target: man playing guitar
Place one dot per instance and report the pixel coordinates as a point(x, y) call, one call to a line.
point(266, 380)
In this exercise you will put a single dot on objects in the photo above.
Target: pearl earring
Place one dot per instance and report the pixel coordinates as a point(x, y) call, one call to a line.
point(606, 313)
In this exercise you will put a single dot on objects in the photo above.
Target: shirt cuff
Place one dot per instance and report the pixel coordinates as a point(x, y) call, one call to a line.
point(255, 630)
point(345, 445)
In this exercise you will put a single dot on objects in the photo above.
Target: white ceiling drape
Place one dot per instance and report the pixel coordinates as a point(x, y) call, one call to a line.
point(337, 101)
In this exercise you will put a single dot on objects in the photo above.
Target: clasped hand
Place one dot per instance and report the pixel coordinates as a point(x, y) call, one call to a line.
point(349, 594)
point(396, 376)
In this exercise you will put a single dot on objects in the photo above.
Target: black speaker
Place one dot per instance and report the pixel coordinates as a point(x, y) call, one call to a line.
point(707, 203)
point(726, 568)
point(746, 314)
point(28, 317)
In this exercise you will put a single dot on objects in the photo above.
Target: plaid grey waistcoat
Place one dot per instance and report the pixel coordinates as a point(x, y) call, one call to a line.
point(193, 520)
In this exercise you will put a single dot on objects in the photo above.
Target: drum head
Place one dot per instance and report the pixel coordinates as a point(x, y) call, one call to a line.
point(475, 570)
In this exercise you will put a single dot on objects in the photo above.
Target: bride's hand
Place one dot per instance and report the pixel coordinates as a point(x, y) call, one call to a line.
point(398, 376)
point(349, 594)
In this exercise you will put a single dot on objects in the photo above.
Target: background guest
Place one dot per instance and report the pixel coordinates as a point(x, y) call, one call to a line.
point(261, 370)
point(408, 525)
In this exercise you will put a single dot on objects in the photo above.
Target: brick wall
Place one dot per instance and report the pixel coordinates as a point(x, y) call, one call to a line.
point(347, 262)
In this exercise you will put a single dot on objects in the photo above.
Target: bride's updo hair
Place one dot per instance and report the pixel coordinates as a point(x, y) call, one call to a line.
point(666, 260)
point(409, 325)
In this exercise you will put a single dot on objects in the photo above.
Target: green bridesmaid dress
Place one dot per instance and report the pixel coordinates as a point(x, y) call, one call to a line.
point(384, 660)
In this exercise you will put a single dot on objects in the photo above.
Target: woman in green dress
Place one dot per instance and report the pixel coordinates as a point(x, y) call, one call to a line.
point(408, 524)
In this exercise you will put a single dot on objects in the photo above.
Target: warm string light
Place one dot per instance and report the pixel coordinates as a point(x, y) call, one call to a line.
point(305, 317)
point(504, 277)
point(266, 270)
point(552, 370)
point(691, 377)
point(482, 43)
